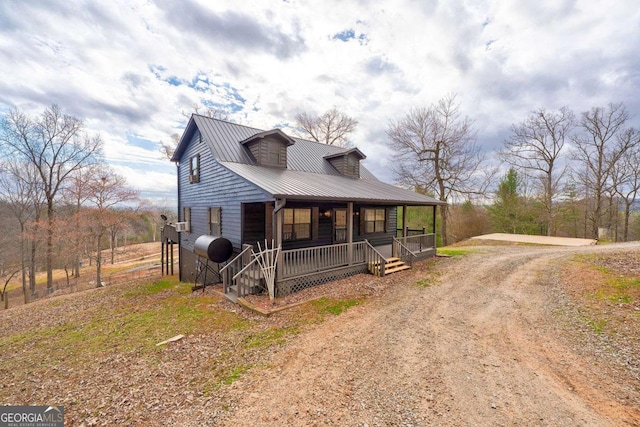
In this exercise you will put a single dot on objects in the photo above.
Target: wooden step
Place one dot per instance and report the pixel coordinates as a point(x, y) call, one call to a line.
point(393, 264)
point(396, 269)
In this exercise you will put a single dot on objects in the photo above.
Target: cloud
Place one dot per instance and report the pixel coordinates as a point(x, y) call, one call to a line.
point(131, 68)
point(232, 30)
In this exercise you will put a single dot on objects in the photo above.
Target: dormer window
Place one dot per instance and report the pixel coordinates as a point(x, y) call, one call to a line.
point(269, 148)
point(352, 165)
point(273, 152)
point(346, 162)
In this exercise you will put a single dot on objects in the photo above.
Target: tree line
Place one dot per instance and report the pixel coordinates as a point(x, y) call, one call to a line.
point(60, 202)
point(567, 174)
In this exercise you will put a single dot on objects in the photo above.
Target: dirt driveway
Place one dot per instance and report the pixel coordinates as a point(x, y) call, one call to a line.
point(483, 345)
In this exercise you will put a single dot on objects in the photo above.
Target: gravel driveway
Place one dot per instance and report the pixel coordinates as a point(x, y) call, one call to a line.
point(482, 345)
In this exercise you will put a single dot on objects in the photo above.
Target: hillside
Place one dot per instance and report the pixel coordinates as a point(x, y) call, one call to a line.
point(515, 335)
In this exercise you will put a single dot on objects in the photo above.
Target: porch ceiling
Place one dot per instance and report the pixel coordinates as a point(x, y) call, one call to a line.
point(292, 184)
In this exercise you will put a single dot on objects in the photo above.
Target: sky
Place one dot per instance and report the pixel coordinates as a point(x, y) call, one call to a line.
point(134, 70)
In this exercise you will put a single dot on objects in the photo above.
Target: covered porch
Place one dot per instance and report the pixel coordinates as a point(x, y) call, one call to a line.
point(322, 241)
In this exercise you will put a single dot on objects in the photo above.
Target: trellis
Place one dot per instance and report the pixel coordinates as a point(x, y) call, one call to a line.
point(267, 259)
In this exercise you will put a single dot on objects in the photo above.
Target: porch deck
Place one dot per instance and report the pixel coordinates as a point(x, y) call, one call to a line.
point(298, 269)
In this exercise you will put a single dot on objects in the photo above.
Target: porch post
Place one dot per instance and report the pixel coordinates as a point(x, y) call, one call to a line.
point(350, 232)
point(394, 248)
point(404, 223)
point(278, 221)
point(433, 226)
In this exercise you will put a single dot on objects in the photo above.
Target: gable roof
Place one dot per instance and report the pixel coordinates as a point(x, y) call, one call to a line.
point(267, 133)
point(305, 160)
point(357, 152)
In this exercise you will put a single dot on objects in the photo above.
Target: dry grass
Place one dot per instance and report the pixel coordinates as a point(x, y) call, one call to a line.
point(604, 291)
point(95, 352)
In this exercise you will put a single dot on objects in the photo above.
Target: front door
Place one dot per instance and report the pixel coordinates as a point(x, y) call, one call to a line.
point(339, 226)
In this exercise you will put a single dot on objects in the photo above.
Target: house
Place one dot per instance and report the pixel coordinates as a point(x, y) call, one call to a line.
point(330, 216)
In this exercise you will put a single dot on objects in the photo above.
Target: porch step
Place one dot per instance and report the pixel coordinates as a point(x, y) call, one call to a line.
point(232, 294)
point(391, 265)
point(396, 269)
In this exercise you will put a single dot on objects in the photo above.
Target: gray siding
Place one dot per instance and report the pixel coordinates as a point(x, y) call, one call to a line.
point(218, 187)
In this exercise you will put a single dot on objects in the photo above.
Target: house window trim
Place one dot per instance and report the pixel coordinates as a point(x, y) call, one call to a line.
point(194, 169)
point(293, 225)
point(375, 221)
point(218, 216)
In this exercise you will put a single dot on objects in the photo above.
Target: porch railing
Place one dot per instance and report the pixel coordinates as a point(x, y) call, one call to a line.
point(419, 243)
point(249, 279)
point(233, 267)
point(411, 231)
point(244, 273)
point(298, 262)
point(376, 262)
point(401, 251)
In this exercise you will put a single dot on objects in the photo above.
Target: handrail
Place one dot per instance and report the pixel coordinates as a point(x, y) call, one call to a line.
point(404, 250)
point(233, 265)
point(254, 260)
point(252, 269)
point(377, 262)
point(248, 248)
point(373, 249)
point(403, 246)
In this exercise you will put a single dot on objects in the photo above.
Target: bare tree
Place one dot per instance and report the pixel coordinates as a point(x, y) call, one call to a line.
point(108, 191)
point(436, 152)
point(168, 148)
point(331, 128)
point(601, 144)
point(20, 188)
point(56, 145)
point(625, 178)
point(536, 145)
point(77, 192)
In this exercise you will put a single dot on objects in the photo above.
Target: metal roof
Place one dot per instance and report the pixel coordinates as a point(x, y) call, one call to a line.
point(224, 139)
point(306, 160)
point(290, 184)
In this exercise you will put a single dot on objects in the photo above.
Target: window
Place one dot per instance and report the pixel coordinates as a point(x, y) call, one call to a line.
point(273, 152)
point(215, 228)
point(186, 217)
point(374, 220)
point(297, 224)
point(352, 164)
point(194, 169)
